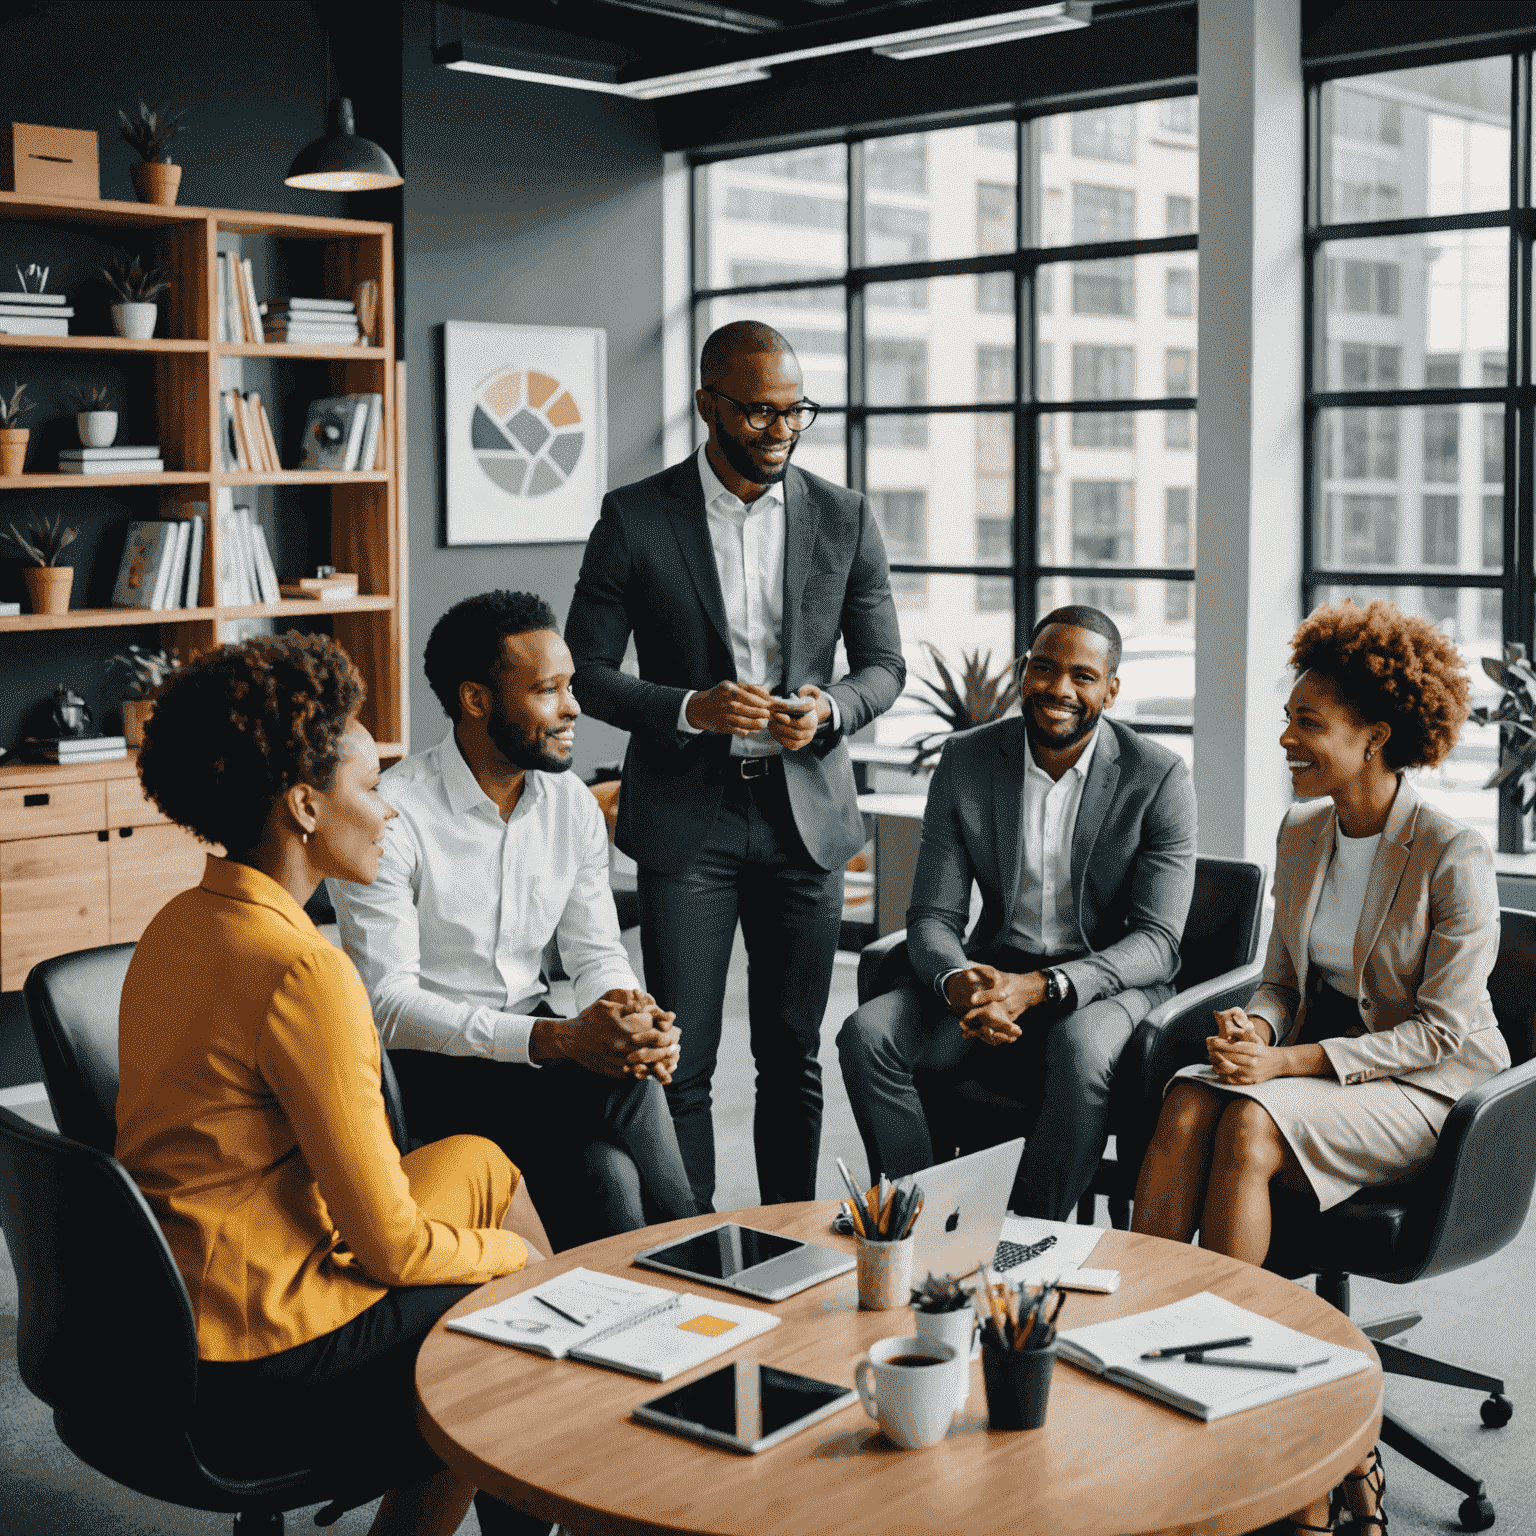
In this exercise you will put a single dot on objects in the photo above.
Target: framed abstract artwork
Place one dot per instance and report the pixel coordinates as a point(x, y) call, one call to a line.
point(526, 410)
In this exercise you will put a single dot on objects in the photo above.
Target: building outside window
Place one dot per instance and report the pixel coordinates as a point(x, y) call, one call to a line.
point(918, 369)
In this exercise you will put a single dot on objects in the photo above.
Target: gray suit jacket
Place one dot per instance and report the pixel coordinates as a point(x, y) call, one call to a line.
point(1427, 942)
point(649, 569)
point(1133, 858)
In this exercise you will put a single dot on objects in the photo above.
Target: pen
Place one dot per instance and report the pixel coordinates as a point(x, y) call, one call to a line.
point(1261, 1365)
point(559, 1311)
point(1194, 1349)
point(853, 1189)
point(853, 1216)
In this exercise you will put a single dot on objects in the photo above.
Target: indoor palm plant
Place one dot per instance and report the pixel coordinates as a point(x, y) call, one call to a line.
point(137, 287)
point(1515, 714)
point(155, 179)
point(48, 582)
point(13, 438)
point(146, 670)
point(979, 696)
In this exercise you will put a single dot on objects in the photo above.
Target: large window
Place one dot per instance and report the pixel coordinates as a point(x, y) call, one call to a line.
point(946, 311)
point(1411, 495)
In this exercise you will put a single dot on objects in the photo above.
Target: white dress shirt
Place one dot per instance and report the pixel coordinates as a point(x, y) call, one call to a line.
point(748, 541)
point(1331, 939)
point(450, 936)
point(1044, 921)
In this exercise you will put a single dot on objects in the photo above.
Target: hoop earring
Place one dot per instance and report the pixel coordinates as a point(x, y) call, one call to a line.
point(305, 837)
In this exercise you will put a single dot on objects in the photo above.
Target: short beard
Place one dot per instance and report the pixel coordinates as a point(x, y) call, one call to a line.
point(1039, 738)
point(741, 461)
point(518, 747)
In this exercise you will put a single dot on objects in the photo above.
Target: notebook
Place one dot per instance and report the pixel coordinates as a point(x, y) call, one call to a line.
point(608, 1320)
point(1113, 1350)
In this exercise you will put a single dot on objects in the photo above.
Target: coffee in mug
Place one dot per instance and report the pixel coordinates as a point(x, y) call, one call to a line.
point(914, 1405)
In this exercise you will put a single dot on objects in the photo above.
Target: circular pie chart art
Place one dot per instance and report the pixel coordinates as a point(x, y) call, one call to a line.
point(526, 432)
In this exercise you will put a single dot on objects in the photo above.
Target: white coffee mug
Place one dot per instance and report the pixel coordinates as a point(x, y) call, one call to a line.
point(959, 1329)
point(908, 1385)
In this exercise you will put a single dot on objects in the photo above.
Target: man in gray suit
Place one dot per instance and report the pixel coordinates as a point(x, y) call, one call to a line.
point(736, 573)
point(1081, 835)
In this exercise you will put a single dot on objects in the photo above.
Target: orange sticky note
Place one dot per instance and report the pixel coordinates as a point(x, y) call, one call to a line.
point(710, 1327)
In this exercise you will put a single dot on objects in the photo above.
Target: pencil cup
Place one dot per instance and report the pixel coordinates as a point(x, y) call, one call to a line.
point(958, 1329)
point(1018, 1385)
point(885, 1273)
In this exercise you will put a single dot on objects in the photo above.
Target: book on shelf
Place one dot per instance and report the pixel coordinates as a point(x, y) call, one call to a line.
point(609, 1320)
point(252, 310)
point(144, 572)
point(122, 451)
point(220, 301)
point(115, 466)
point(229, 589)
point(168, 592)
point(334, 431)
point(34, 300)
point(9, 610)
point(301, 302)
point(74, 749)
point(310, 336)
point(258, 411)
point(322, 589)
point(1114, 1350)
point(197, 522)
point(236, 319)
point(261, 560)
point(33, 325)
point(7, 308)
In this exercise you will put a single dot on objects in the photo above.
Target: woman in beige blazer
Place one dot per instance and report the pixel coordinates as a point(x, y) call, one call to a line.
point(1373, 1016)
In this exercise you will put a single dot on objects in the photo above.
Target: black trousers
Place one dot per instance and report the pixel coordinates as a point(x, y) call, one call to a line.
point(753, 869)
point(599, 1153)
point(345, 1400)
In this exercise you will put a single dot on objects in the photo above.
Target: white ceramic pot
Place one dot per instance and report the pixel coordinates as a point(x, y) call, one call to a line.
point(97, 429)
point(958, 1330)
point(135, 321)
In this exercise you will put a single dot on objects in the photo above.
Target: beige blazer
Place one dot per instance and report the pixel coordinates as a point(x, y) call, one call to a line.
point(1427, 940)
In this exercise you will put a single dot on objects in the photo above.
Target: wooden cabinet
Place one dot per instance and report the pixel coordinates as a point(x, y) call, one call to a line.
point(84, 860)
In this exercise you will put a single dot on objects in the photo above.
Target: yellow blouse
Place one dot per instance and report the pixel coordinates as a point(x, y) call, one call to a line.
point(250, 1114)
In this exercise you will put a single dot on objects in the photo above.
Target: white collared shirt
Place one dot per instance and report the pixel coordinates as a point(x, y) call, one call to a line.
point(450, 936)
point(1044, 920)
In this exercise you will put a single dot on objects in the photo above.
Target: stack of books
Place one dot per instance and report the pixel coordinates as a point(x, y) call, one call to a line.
point(322, 589)
point(162, 563)
point(245, 573)
point(308, 322)
point(35, 314)
point(75, 749)
point(248, 440)
point(238, 317)
point(111, 461)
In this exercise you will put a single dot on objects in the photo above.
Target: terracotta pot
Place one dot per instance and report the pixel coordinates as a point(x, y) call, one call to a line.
point(136, 713)
point(13, 449)
point(155, 181)
point(48, 587)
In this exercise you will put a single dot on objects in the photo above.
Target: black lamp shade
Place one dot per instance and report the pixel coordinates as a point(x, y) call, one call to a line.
point(342, 162)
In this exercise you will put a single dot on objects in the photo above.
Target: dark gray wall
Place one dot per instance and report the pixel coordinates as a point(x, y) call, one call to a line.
point(524, 204)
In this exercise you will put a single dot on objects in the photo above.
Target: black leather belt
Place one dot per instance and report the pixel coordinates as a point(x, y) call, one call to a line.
point(735, 770)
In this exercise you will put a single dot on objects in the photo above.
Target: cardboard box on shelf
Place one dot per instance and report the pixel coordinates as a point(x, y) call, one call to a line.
point(49, 162)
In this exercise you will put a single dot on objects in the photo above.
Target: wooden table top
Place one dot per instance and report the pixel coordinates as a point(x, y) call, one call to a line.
point(555, 1437)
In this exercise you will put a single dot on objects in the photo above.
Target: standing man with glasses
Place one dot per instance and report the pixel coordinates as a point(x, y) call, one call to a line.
point(737, 573)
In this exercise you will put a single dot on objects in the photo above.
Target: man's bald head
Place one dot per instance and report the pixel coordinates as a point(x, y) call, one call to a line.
point(739, 339)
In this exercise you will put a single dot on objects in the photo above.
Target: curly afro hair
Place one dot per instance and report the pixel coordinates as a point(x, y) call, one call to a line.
point(465, 645)
point(1390, 666)
point(242, 725)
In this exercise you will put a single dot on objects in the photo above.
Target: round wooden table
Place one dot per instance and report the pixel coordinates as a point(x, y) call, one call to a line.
point(555, 1437)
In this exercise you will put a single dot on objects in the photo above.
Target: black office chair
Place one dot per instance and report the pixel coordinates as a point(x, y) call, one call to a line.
point(1469, 1202)
point(105, 1336)
point(1217, 969)
point(72, 1002)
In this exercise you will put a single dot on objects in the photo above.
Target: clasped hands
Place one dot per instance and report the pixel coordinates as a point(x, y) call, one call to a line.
point(742, 709)
point(625, 1033)
point(1239, 1053)
point(990, 1002)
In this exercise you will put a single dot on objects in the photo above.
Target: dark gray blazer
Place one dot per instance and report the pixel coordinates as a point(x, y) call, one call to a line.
point(649, 569)
point(1133, 858)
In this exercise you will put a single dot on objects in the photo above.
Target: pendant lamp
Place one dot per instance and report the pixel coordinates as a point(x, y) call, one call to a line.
point(342, 162)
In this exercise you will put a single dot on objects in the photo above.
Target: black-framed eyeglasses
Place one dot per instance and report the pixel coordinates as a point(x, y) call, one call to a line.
point(761, 416)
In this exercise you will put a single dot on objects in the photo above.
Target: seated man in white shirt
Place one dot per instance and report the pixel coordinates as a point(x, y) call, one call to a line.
point(495, 851)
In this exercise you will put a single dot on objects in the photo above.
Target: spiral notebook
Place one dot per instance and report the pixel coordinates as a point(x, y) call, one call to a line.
point(607, 1320)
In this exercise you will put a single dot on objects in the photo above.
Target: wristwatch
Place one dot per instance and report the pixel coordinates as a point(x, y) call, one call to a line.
point(1058, 986)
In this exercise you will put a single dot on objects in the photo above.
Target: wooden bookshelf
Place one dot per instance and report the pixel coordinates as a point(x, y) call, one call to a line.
point(187, 365)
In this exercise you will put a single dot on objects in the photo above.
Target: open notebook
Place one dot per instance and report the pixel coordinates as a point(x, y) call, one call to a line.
point(1113, 1350)
point(607, 1320)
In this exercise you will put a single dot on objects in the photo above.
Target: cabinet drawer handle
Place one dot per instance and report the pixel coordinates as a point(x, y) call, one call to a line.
point(102, 837)
point(125, 831)
point(34, 800)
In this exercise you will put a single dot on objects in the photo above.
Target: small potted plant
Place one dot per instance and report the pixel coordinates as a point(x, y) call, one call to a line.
point(155, 179)
point(146, 670)
point(95, 420)
point(13, 439)
point(48, 582)
point(137, 288)
point(1515, 714)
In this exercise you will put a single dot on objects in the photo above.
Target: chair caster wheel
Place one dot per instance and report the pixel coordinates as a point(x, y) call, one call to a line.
point(1476, 1514)
point(1497, 1411)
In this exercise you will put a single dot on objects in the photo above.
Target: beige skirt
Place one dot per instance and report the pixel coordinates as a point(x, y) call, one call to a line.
point(1346, 1137)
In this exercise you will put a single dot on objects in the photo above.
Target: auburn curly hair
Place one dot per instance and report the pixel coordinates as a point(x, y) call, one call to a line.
point(1393, 667)
point(242, 725)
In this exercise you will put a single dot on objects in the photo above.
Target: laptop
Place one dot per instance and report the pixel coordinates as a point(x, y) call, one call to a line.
point(964, 1202)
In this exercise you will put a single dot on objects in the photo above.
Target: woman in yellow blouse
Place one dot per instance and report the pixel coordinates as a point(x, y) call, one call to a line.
point(250, 1112)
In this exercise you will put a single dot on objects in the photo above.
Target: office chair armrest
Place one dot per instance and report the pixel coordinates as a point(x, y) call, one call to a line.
point(882, 965)
point(1173, 1035)
point(1486, 1180)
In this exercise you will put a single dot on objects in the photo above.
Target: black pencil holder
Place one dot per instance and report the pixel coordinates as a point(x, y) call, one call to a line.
point(1018, 1386)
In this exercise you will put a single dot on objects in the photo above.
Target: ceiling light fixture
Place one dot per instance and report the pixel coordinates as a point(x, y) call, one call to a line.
point(341, 161)
point(1064, 17)
point(654, 90)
